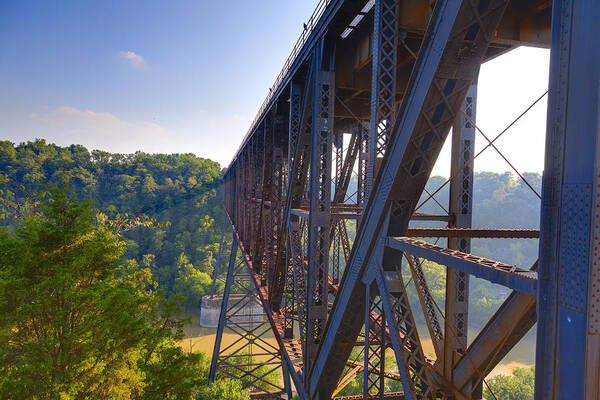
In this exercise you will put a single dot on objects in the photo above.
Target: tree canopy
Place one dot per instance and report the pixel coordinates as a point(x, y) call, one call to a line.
point(77, 321)
point(518, 386)
point(178, 190)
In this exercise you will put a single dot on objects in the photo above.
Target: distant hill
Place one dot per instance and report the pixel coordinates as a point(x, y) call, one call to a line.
point(180, 190)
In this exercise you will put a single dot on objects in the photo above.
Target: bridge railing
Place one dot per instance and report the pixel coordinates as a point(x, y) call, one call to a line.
point(308, 28)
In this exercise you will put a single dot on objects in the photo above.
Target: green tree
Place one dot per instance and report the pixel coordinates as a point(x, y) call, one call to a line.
point(191, 283)
point(518, 386)
point(177, 189)
point(223, 389)
point(77, 323)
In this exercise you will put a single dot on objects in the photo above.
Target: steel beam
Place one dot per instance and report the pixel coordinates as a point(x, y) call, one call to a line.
point(441, 77)
point(275, 325)
point(427, 304)
point(568, 336)
point(276, 260)
point(374, 345)
point(404, 337)
point(506, 327)
point(218, 261)
point(364, 166)
point(473, 233)
point(319, 206)
point(285, 253)
point(461, 208)
point(430, 217)
point(298, 152)
point(383, 86)
point(299, 144)
point(222, 314)
point(250, 357)
point(515, 278)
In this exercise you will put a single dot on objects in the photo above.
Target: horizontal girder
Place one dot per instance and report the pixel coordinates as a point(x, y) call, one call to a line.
point(473, 233)
point(515, 278)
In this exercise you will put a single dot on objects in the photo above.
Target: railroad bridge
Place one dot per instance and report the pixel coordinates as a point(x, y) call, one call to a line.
point(345, 141)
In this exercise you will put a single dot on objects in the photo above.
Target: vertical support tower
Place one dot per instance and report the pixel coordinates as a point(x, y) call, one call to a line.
point(568, 334)
point(461, 206)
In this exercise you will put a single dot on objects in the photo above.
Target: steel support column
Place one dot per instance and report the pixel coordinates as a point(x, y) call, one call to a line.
point(461, 206)
point(364, 165)
point(455, 43)
point(264, 249)
point(319, 204)
point(298, 152)
point(300, 130)
point(383, 86)
point(251, 356)
point(427, 304)
point(222, 315)
point(568, 334)
point(375, 344)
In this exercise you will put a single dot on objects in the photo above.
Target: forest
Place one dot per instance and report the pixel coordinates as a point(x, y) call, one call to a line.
point(179, 191)
point(169, 218)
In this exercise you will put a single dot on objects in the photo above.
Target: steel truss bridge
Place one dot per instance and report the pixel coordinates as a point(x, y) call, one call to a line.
point(369, 94)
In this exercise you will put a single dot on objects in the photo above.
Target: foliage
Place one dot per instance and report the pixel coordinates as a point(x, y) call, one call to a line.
point(191, 283)
point(225, 389)
point(518, 386)
point(175, 193)
point(77, 322)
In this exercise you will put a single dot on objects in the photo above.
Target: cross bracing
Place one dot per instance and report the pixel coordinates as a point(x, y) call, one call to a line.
point(370, 94)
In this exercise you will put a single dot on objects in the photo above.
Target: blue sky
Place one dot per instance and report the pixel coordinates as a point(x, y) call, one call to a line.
point(188, 76)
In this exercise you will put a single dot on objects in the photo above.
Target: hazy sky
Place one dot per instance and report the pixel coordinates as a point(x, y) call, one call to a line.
point(189, 76)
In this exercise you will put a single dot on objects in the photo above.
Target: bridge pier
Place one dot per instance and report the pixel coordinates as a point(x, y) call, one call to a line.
point(568, 334)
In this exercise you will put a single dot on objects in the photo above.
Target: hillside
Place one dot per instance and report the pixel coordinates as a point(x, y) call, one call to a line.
point(181, 192)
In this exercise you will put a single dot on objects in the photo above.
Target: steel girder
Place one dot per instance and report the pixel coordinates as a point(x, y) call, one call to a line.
point(568, 336)
point(473, 233)
point(319, 203)
point(216, 271)
point(383, 86)
point(285, 251)
point(457, 37)
point(375, 345)
point(427, 304)
point(288, 348)
point(513, 277)
point(364, 166)
point(382, 113)
point(441, 78)
point(222, 315)
point(461, 208)
point(250, 357)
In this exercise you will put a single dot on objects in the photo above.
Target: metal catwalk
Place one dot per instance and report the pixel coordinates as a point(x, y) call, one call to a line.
point(345, 142)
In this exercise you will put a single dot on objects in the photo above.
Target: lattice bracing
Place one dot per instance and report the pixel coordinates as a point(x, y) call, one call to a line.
point(348, 137)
